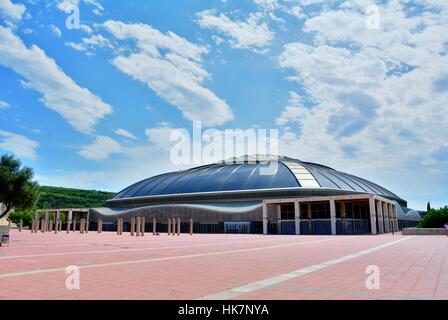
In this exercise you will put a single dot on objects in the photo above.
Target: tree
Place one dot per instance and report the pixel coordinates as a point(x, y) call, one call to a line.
point(17, 190)
point(428, 207)
point(434, 218)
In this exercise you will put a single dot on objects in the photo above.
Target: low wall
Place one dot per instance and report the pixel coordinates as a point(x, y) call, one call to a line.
point(423, 231)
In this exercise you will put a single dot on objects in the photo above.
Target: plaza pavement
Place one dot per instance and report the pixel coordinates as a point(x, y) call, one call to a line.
point(219, 266)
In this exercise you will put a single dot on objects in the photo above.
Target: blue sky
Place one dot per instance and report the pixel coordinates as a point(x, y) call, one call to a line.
point(360, 86)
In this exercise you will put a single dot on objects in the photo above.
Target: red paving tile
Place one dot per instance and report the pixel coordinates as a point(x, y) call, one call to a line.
point(191, 267)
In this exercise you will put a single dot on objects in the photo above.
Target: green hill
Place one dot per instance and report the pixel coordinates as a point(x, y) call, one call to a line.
point(56, 197)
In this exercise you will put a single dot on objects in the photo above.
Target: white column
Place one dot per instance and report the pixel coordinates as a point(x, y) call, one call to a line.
point(178, 226)
point(297, 216)
point(154, 225)
point(372, 215)
point(169, 226)
point(333, 216)
point(379, 211)
point(191, 227)
point(265, 218)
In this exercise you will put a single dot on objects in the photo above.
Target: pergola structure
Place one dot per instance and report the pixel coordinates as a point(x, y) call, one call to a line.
point(43, 222)
point(382, 211)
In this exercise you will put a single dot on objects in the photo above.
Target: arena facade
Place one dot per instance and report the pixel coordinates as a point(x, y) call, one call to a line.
point(243, 196)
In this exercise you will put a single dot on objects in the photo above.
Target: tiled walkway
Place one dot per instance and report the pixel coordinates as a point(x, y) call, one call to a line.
point(223, 266)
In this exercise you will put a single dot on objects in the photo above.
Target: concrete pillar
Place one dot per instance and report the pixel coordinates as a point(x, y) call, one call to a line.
point(297, 216)
point(100, 226)
point(118, 226)
point(46, 221)
point(20, 225)
point(279, 219)
point(265, 218)
point(343, 216)
point(69, 220)
point(37, 225)
point(394, 210)
point(333, 216)
point(142, 228)
point(386, 217)
point(82, 226)
point(392, 217)
point(33, 223)
point(379, 211)
point(372, 215)
point(74, 224)
point(310, 218)
point(191, 227)
point(132, 226)
point(87, 221)
point(154, 226)
point(50, 227)
point(178, 226)
point(42, 226)
point(138, 226)
point(169, 226)
point(173, 225)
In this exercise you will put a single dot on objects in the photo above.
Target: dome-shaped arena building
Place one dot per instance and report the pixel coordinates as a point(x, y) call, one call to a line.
point(259, 194)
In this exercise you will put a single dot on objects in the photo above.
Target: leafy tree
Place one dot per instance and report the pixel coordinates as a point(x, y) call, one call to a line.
point(17, 190)
point(25, 215)
point(434, 218)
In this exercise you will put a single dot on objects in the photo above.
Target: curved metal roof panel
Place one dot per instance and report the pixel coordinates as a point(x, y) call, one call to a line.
point(251, 174)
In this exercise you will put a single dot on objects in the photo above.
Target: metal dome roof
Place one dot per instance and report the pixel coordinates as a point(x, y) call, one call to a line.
point(246, 173)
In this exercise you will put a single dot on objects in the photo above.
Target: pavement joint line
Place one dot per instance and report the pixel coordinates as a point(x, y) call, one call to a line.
point(122, 250)
point(130, 262)
point(233, 292)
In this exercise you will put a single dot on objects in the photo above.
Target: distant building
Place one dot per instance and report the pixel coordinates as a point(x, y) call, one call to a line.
point(236, 196)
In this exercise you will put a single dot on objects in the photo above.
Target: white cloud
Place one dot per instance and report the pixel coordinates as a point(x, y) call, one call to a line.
point(4, 105)
point(12, 11)
point(101, 149)
point(18, 144)
point(56, 30)
point(243, 34)
point(90, 44)
point(175, 76)
point(66, 5)
point(160, 136)
point(78, 106)
point(371, 99)
point(125, 133)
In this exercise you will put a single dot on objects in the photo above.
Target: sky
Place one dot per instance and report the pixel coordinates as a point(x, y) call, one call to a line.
point(360, 86)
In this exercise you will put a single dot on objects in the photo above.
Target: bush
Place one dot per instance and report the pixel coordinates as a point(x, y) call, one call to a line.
point(435, 218)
